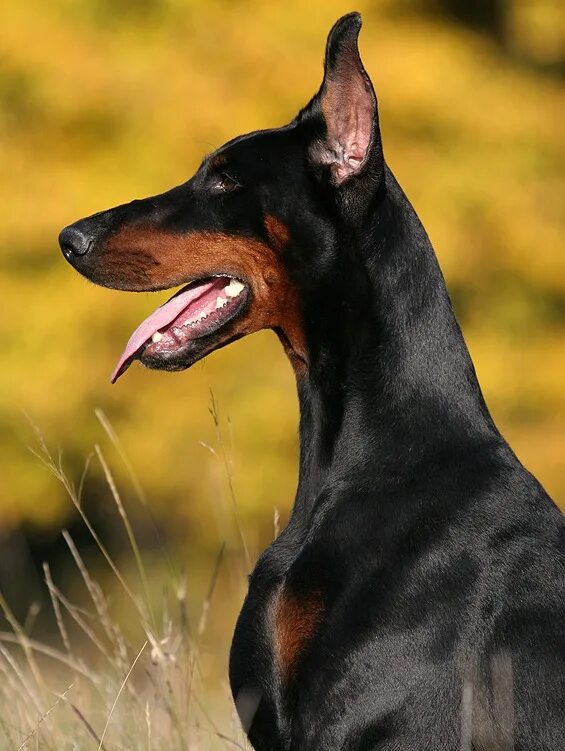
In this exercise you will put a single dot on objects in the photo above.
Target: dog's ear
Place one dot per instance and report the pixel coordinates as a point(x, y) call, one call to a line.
point(348, 145)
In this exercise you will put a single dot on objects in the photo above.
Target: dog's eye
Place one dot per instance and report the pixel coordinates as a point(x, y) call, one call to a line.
point(224, 183)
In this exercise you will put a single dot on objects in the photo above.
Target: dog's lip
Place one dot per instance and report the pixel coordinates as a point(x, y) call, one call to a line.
point(164, 318)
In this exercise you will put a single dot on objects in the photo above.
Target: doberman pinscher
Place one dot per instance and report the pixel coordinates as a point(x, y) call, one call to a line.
point(416, 599)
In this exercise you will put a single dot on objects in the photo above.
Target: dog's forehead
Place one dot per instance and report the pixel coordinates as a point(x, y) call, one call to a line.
point(260, 151)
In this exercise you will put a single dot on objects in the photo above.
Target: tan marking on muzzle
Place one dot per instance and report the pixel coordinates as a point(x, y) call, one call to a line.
point(144, 258)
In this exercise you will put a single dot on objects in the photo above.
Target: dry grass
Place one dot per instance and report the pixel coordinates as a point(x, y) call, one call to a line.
point(99, 687)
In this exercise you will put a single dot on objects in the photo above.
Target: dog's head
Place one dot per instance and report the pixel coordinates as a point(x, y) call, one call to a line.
point(256, 235)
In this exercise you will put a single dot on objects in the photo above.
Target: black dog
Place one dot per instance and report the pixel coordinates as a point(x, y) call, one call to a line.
point(416, 598)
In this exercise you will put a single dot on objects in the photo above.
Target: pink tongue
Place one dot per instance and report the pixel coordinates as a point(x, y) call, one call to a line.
point(162, 317)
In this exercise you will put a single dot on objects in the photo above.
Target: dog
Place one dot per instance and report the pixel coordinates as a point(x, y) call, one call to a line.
point(415, 601)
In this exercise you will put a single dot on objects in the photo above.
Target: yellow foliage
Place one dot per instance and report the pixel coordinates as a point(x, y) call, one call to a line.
point(101, 102)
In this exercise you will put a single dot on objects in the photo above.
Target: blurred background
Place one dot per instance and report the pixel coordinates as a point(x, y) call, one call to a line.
point(103, 101)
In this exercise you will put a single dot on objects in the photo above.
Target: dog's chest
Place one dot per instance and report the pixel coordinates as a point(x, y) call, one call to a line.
point(276, 628)
point(295, 617)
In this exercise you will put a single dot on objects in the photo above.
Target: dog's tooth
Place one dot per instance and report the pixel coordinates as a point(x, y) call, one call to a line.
point(157, 336)
point(220, 302)
point(234, 288)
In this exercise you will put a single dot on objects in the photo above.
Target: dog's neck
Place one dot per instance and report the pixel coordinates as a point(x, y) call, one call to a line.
point(390, 382)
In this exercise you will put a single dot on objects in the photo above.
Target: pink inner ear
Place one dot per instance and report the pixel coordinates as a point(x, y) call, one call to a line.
point(356, 154)
point(348, 107)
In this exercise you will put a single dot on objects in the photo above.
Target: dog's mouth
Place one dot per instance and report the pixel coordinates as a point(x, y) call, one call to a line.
point(200, 309)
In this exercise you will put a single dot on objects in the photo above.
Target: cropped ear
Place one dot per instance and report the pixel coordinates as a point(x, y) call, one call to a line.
point(347, 103)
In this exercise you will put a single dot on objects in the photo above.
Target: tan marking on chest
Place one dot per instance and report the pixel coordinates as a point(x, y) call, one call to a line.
point(297, 618)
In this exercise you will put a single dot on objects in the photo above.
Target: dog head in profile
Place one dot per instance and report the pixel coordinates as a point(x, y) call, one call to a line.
point(258, 235)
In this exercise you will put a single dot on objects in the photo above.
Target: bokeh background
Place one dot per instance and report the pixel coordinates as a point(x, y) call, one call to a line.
point(102, 101)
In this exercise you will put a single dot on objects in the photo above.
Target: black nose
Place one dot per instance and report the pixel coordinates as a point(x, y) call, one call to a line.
point(74, 242)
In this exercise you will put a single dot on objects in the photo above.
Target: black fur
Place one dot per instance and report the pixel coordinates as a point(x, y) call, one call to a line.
point(438, 559)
